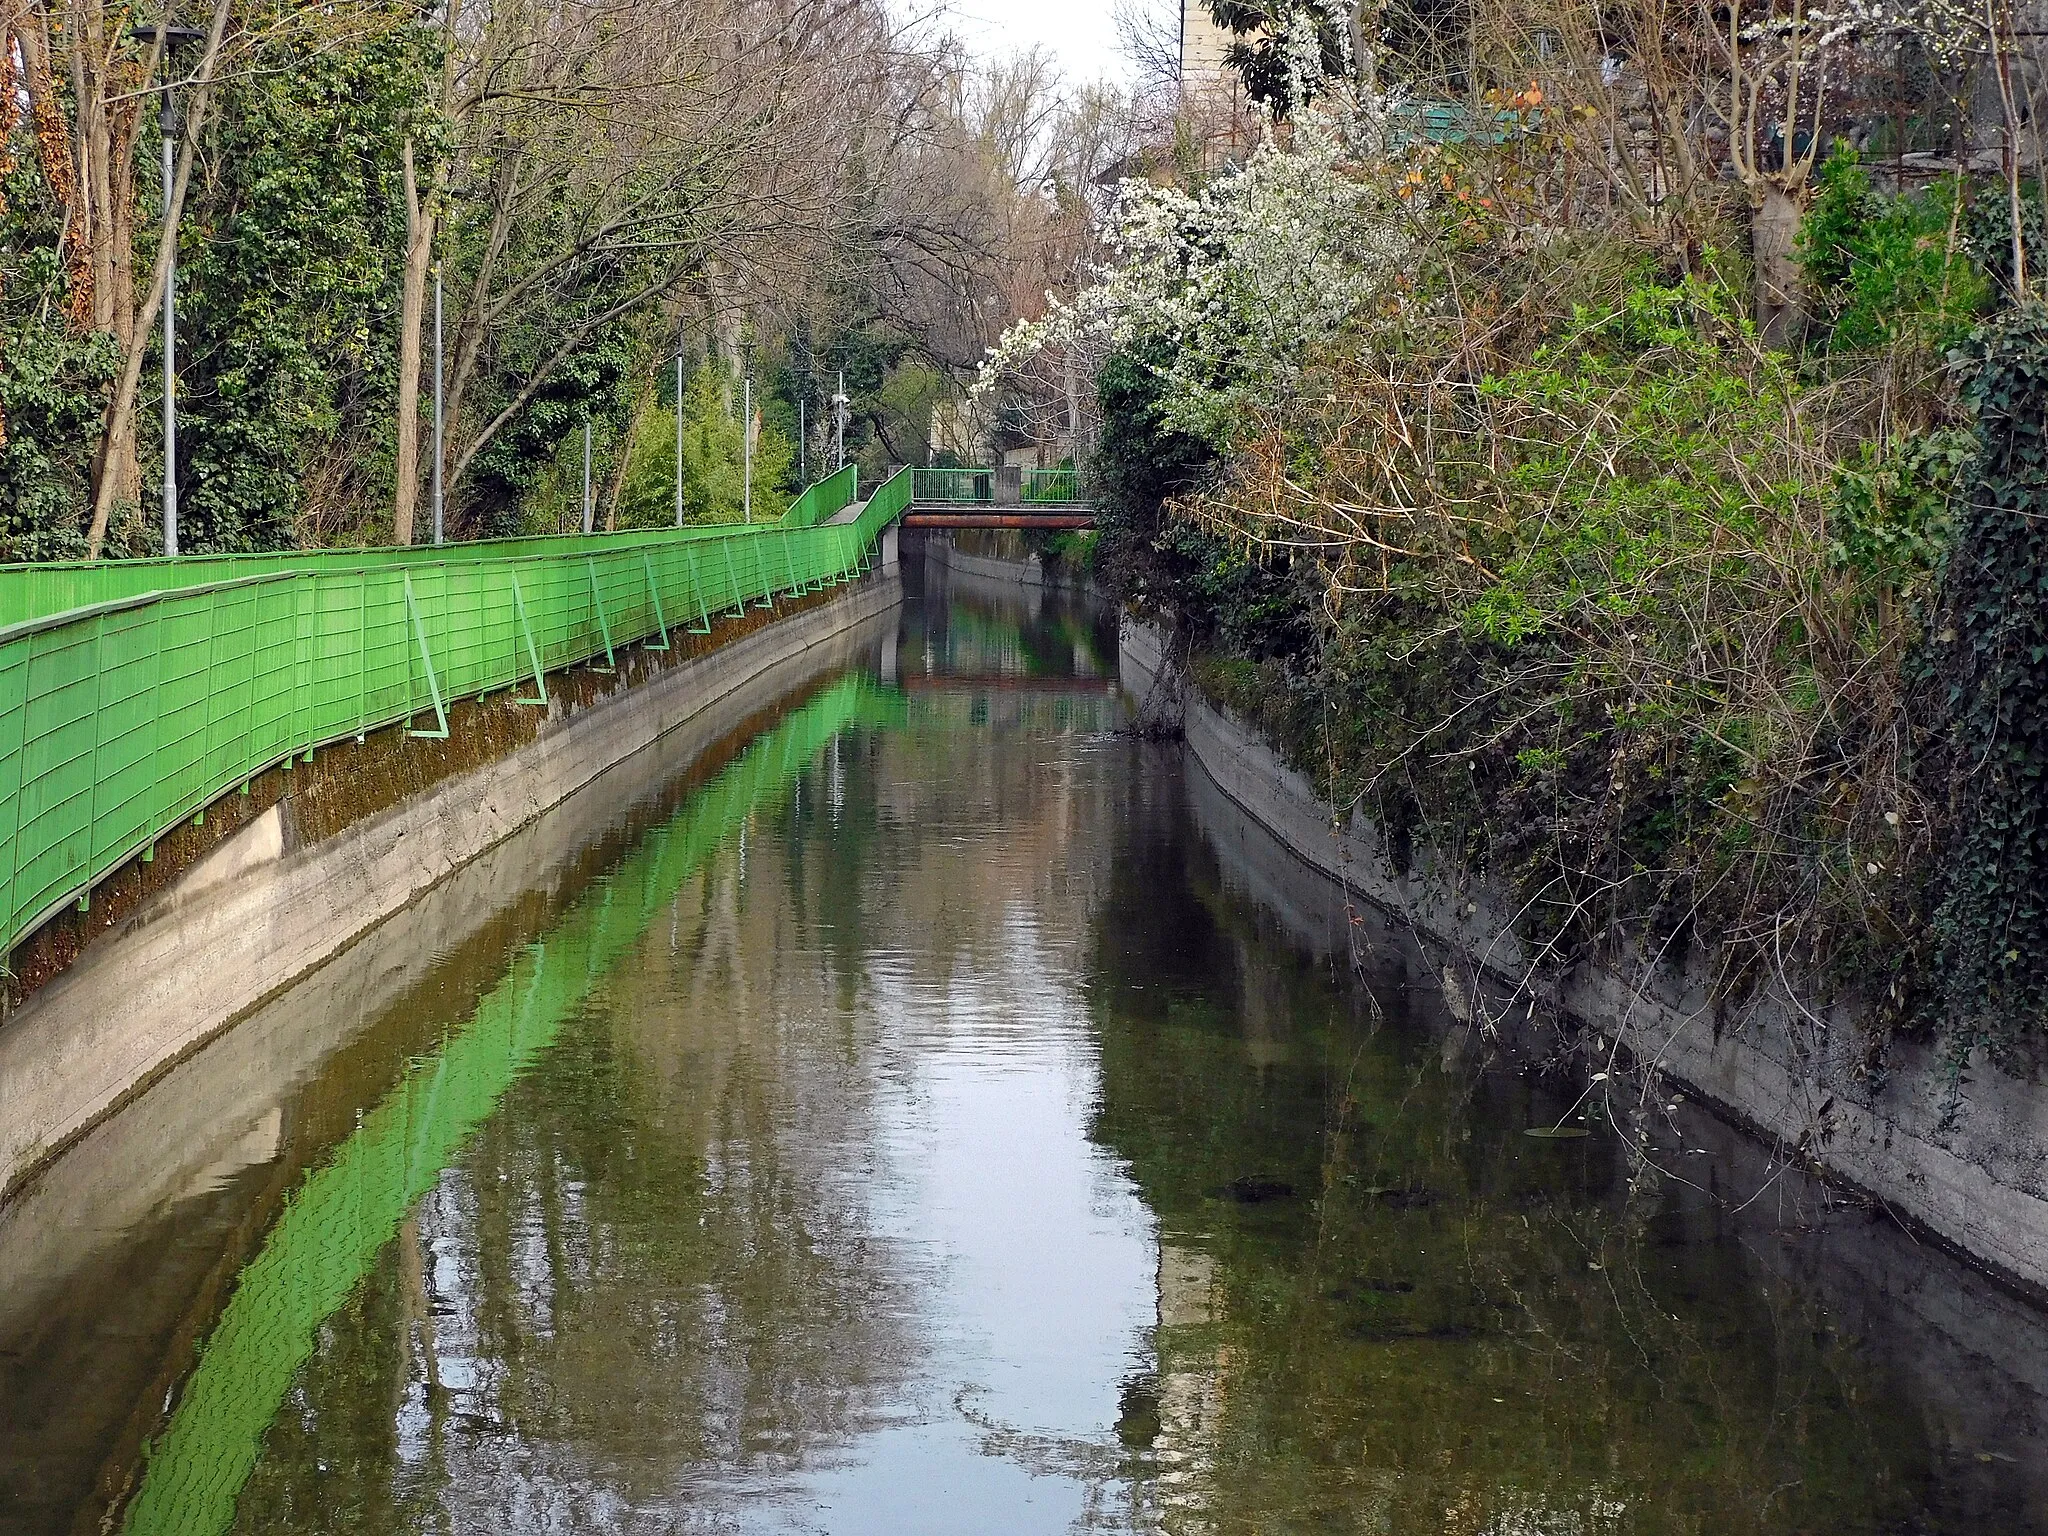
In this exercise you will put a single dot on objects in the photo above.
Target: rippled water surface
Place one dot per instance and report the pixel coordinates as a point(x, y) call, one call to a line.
point(938, 1112)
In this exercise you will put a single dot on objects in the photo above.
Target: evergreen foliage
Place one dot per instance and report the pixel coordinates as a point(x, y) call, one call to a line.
point(290, 292)
point(1993, 663)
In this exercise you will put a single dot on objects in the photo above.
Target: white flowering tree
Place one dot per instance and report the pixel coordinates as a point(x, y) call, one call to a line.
point(1230, 288)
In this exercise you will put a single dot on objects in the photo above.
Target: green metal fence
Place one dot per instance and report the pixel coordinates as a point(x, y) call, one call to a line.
point(955, 485)
point(1051, 487)
point(825, 500)
point(980, 487)
point(33, 591)
point(123, 716)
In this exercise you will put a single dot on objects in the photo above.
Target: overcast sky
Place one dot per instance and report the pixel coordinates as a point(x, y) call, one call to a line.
point(1081, 34)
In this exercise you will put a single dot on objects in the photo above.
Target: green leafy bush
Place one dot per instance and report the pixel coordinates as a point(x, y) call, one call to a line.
point(1890, 271)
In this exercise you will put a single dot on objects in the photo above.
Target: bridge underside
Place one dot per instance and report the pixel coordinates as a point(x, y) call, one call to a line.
point(953, 517)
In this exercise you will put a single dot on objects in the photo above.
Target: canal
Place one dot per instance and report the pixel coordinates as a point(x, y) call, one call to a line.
point(936, 1111)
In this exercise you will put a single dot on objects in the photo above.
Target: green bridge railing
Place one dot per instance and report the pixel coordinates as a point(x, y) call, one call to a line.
point(978, 487)
point(820, 502)
point(135, 693)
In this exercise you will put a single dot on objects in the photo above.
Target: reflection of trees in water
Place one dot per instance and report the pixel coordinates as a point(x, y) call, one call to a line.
point(999, 632)
point(1417, 1318)
point(650, 1267)
point(655, 1270)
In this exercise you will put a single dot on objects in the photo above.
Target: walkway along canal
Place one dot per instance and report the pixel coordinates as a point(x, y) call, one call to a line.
point(932, 1110)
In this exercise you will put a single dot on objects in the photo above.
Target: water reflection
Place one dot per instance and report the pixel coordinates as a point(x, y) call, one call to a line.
point(930, 1125)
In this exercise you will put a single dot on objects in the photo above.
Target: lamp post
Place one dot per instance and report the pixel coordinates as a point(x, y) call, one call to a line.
point(747, 449)
point(679, 432)
point(586, 471)
point(167, 129)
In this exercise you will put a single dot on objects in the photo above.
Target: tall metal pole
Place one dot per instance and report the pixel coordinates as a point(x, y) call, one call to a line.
point(679, 437)
point(803, 443)
point(439, 531)
point(166, 127)
point(839, 416)
point(586, 472)
point(747, 452)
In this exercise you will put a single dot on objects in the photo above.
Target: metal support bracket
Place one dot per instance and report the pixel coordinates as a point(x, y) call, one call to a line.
point(611, 662)
point(796, 588)
point(697, 585)
point(654, 591)
point(540, 681)
point(739, 598)
point(419, 631)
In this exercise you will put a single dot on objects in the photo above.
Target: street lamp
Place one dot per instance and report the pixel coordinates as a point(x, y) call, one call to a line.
point(166, 121)
point(586, 470)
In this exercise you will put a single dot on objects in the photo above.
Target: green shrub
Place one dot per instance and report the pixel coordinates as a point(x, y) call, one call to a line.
point(1890, 271)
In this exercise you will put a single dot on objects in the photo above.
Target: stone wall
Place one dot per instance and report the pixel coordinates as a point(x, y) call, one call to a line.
point(1965, 1162)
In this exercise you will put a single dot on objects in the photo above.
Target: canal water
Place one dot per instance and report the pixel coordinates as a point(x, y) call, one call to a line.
point(939, 1111)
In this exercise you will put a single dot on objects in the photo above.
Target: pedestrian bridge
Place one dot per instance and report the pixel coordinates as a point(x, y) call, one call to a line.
point(1008, 497)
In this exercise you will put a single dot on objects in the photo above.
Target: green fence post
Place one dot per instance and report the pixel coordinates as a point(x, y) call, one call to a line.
point(796, 587)
point(697, 585)
point(540, 681)
point(611, 662)
point(739, 598)
point(92, 797)
point(653, 591)
point(419, 630)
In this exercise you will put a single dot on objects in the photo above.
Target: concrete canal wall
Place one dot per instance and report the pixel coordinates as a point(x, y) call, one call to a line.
point(1974, 1350)
point(1964, 1162)
point(943, 550)
point(290, 888)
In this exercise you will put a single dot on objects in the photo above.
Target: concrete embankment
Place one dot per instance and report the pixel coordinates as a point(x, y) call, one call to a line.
point(1965, 1162)
point(298, 882)
point(1975, 1352)
point(1015, 564)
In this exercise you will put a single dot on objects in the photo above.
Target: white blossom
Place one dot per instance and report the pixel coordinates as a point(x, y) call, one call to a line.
point(1233, 286)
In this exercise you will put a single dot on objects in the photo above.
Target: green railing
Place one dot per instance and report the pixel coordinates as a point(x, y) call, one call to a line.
point(33, 591)
point(954, 485)
point(982, 487)
point(123, 716)
point(825, 500)
point(1052, 487)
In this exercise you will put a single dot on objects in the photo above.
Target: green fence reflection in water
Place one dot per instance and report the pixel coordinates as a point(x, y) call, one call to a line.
point(123, 716)
point(334, 1226)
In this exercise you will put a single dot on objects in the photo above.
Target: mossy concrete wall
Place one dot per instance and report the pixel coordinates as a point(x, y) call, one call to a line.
point(1965, 1161)
point(301, 878)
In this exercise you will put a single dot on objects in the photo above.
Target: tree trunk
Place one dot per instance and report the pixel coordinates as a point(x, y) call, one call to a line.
point(643, 398)
point(126, 468)
point(1774, 233)
point(120, 417)
point(419, 253)
point(10, 116)
point(60, 171)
